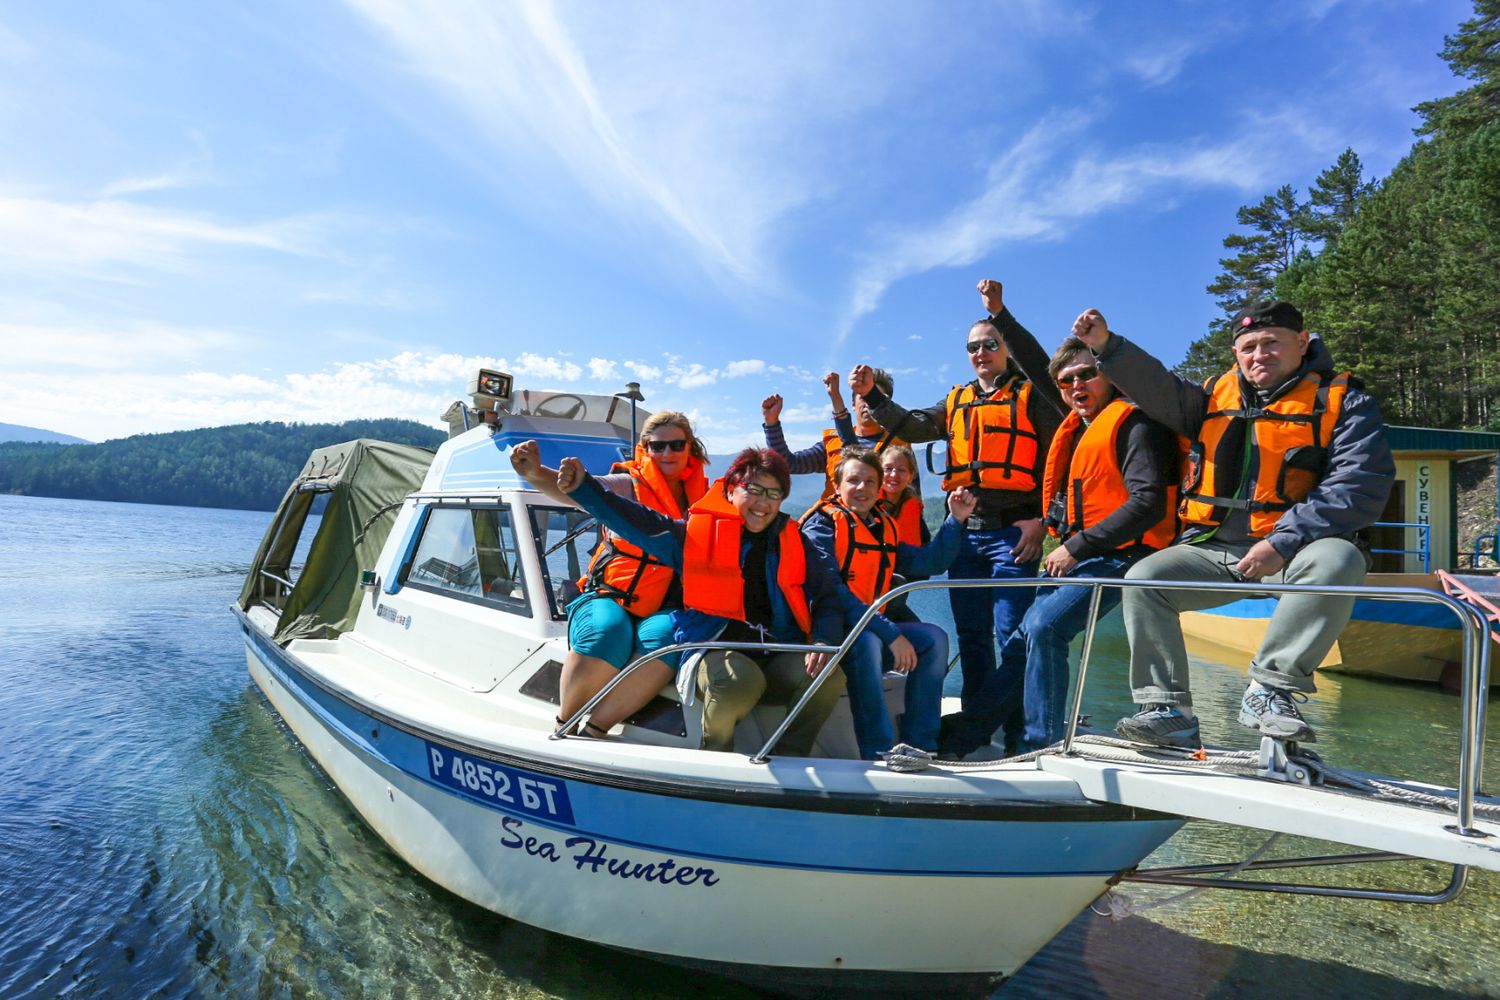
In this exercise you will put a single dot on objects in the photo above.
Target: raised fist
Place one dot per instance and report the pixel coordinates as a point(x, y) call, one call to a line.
point(1090, 328)
point(770, 409)
point(525, 458)
point(961, 503)
point(989, 291)
point(570, 474)
point(861, 379)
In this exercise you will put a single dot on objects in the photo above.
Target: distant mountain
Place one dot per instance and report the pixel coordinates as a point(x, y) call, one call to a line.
point(243, 466)
point(16, 432)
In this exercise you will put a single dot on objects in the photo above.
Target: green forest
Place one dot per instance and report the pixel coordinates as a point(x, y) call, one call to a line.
point(243, 466)
point(1400, 276)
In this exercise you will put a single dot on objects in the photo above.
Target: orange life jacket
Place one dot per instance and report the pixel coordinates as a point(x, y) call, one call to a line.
point(1285, 443)
point(833, 447)
point(908, 516)
point(866, 560)
point(991, 440)
point(1083, 471)
point(620, 570)
point(713, 581)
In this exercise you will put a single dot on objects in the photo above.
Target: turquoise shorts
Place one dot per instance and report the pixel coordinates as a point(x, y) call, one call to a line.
point(599, 627)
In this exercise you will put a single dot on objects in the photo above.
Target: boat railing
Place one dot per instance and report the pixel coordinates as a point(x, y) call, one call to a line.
point(1475, 677)
point(1424, 542)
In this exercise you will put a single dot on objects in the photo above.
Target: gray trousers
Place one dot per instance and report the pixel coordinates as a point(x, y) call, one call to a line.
point(1301, 631)
point(732, 684)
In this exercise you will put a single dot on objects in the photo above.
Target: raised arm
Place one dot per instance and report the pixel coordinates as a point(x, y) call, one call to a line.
point(938, 554)
point(658, 535)
point(1022, 346)
point(1166, 398)
point(912, 426)
point(525, 458)
point(814, 459)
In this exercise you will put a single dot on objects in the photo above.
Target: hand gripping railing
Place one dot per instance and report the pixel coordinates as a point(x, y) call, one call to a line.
point(1476, 659)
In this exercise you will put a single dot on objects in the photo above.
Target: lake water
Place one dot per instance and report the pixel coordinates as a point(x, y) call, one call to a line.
point(162, 835)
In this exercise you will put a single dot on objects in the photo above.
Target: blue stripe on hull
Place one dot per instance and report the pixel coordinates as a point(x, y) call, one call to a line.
point(754, 835)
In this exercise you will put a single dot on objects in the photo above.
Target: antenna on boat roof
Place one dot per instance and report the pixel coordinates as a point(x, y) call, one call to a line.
point(633, 393)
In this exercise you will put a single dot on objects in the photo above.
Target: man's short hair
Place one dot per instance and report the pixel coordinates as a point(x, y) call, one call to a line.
point(856, 456)
point(1069, 349)
point(885, 383)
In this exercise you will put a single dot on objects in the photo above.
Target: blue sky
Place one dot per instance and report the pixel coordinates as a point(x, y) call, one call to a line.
point(213, 213)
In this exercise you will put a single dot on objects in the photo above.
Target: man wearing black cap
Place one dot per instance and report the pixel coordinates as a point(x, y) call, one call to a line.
point(1287, 461)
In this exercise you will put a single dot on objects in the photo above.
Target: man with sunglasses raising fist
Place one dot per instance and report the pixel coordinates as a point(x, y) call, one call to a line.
point(1110, 500)
point(998, 429)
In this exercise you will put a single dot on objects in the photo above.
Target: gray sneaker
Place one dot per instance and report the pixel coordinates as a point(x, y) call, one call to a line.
point(1161, 726)
point(1273, 712)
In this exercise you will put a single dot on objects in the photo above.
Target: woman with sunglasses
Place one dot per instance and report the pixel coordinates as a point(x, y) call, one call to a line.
point(860, 540)
point(625, 609)
point(997, 428)
point(748, 575)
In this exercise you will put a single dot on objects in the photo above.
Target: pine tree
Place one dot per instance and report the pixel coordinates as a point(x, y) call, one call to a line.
point(1473, 52)
point(1279, 226)
point(1334, 198)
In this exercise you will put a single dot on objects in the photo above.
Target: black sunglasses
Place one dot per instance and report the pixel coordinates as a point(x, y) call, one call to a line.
point(987, 344)
point(660, 446)
point(1081, 375)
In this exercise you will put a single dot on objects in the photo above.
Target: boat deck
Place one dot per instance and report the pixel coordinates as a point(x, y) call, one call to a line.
point(1344, 816)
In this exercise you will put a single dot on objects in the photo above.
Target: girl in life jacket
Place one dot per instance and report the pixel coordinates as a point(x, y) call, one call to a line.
point(859, 538)
point(748, 576)
point(625, 609)
point(901, 497)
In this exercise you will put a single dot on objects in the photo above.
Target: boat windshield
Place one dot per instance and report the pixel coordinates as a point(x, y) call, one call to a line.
point(565, 538)
point(470, 553)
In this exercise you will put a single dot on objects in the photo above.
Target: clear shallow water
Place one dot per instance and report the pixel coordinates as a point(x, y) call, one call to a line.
point(162, 835)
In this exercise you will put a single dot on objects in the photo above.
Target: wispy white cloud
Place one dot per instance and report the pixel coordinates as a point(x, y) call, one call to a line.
point(709, 125)
point(1037, 191)
point(62, 237)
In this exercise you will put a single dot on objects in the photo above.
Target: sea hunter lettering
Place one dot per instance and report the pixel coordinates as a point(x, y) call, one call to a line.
point(593, 857)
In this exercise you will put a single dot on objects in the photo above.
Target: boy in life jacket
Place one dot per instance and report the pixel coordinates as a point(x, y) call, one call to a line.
point(1287, 460)
point(628, 597)
point(860, 430)
point(748, 575)
point(1108, 481)
point(860, 541)
point(997, 429)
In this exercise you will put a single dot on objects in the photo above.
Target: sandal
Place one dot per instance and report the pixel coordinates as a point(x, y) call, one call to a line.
point(596, 732)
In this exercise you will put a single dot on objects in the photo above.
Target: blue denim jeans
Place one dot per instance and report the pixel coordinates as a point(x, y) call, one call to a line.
point(979, 615)
point(865, 667)
point(1033, 670)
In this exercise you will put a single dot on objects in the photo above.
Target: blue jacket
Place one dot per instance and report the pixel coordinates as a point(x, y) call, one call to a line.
point(912, 561)
point(662, 538)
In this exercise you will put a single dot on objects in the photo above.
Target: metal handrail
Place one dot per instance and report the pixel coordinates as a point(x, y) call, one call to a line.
point(1476, 658)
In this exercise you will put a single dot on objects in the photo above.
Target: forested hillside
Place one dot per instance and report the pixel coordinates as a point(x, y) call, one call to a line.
point(1400, 276)
point(245, 466)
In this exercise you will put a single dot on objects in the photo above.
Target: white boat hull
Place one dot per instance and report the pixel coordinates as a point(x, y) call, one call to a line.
point(799, 894)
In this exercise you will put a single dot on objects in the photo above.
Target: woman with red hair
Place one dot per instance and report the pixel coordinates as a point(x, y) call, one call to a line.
point(747, 576)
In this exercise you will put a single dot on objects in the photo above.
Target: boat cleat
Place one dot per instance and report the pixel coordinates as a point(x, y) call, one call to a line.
point(1277, 763)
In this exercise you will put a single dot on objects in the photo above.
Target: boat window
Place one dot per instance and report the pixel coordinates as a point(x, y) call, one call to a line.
point(565, 539)
point(470, 552)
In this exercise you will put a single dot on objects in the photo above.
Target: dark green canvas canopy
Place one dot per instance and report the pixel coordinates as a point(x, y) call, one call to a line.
point(365, 482)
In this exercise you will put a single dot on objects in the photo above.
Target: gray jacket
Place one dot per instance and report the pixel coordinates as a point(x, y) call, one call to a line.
point(1358, 476)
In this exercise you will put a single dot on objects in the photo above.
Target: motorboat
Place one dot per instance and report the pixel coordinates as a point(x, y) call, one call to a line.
point(414, 647)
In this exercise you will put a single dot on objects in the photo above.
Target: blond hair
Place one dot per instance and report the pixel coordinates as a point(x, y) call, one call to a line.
point(672, 418)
